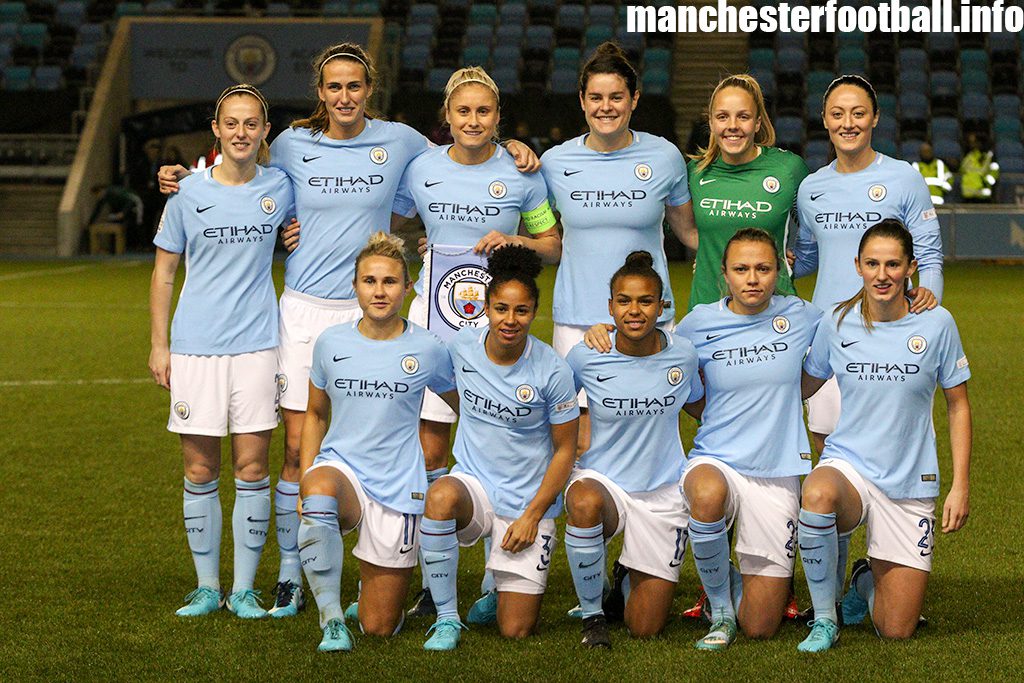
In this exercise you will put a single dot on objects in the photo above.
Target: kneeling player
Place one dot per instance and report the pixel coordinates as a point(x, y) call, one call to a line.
point(879, 467)
point(364, 468)
point(628, 480)
point(514, 448)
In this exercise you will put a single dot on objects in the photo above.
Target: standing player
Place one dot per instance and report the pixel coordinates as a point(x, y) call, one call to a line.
point(628, 481)
point(221, 360)
point(612, 187)
point(345, 164)
point(740, 180)
point(470, 194)
point(837, 203)
point(514, 449)
point(751, 447)
point(361, 457)
point(879, 467)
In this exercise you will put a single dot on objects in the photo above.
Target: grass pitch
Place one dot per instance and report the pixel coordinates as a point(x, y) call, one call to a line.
point(95, 562)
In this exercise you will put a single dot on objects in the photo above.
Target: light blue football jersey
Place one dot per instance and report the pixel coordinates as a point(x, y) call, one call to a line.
point(344, 192)
point(753, 418)
point(459, 204)
point(505, 417)
point(836, 208)
point(226, 233)
point(634, 411)
point(610, 204)
point(887, 377)
point(376, 388)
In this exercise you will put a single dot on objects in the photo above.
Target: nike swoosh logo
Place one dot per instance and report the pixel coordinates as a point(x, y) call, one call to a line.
point(198, 210)
point(306, 159)
point(605, 379)
point(338, 359)
point(674, 563)
point(403, 551)
point(702, 558)
point(712, 336)
point(465, 369)
point(584, 566)
point(542, 567)
point(812, 547)
point(705, 181)
point(845, 344)
point(568, 173)
point(195, 517)
point(256, 521)
point(434, 561)
point(431, 184)
point(814, 197)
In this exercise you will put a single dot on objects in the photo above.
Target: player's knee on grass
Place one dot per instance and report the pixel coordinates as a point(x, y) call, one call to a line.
point(518, 626)
point(706, 491)
point(585, 504)
point(893, 629)
point(380, 623)
point(644, 624)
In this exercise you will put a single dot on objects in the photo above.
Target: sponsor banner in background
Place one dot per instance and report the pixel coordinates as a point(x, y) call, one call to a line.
point(197, 59)
point(456, 281)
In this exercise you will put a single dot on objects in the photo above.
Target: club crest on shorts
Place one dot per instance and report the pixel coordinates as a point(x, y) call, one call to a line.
point(497, 189)
point(378, 155)
point(282, 382)
point(643, 172)
point(771, 184)
point(182, 410)
point(876, 193)
point(268, 205)
point(410, 365)
point(675, 375)
point(917, 344)
point(459, 296)
point(780, 324)
point(525, 393)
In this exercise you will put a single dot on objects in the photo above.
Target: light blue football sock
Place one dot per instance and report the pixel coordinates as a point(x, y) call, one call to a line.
point(736, 584)
point(321, 552)
point(432, 476)
point(819, 553)
point(487, 584)
point(865, 587)
point(709, 542)
point(286, 519)
point(844, 554)
point(439, 548)
point(585, 549)
point(203, 518)
point(250, 523)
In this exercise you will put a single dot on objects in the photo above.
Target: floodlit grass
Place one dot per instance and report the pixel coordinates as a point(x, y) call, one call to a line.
point(95, 562)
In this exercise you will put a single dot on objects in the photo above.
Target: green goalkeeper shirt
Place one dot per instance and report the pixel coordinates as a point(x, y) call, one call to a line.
point(726, 198)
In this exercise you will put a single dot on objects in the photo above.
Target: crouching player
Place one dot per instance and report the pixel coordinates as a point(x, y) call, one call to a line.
point(360, 451)
point(879, 467)
point(514, 449)
point(628, 480)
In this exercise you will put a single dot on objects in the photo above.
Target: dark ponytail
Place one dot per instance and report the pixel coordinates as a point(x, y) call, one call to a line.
point(514, 263)
point(641, 264)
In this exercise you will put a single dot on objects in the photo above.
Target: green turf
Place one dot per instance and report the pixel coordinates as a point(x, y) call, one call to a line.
point(94, 561)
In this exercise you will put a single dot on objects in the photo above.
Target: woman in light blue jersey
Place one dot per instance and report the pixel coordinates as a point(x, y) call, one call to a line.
point(612, 188)
point(345, 163)
point(837, 203)
point(514, 449)
point(361, 457)
point(628, 480)
point(470, 195)
point(880, 466)
point(221, 360)
point(751, 447)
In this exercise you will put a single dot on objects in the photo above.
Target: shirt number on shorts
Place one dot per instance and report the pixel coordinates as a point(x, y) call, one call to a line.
point(681, 537)
point(927, 541)
point(545, 553)
point(790, 550)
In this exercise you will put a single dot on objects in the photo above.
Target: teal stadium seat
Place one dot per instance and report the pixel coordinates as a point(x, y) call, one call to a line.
point(13, 12)
point(128, 8)
point(366, 8)
point(18, 78)
point(48, 78)
point(483, 13)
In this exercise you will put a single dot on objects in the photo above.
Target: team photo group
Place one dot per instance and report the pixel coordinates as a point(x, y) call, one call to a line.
point(587, 422)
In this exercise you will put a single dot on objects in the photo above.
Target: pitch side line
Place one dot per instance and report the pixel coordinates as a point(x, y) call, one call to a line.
point(61, 271)
point(71, 382)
